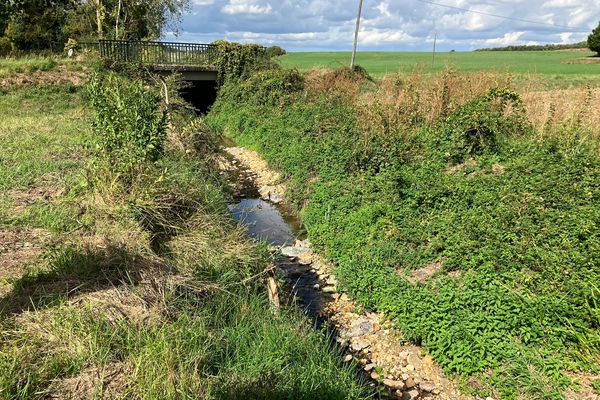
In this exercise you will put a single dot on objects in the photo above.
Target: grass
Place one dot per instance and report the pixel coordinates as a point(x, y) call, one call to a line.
point(14, 65)
point(561, 67)
point(444, 172)
point(102, 309)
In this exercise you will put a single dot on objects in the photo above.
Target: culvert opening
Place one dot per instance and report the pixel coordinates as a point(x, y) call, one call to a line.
point(200, 94)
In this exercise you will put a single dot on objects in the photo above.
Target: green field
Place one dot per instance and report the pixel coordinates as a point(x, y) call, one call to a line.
point(563, 65)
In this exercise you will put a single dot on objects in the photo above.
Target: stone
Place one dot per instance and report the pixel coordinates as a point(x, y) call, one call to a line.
point(375, 375)
point(358, 328)
point(331, 281)
point(369, 367)
point(409, 383)
point(359, 344)
point(427, 386)
point(393, 384)
point(293, 251)
point(316, 286)
point(410, 367)
point(329, 289)
point(348, 358)
point(413, 394)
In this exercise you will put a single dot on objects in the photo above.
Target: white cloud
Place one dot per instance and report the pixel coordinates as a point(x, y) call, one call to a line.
point(390, 24)
point(506, 40)
point(246, 7)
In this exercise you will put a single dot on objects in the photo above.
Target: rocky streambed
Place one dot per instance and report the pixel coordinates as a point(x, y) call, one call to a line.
point(387, 361)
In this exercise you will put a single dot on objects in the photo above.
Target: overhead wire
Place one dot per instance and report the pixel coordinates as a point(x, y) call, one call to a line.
point(499, 16)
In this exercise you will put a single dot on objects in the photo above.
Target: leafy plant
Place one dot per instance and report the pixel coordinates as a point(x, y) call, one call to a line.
point(129, 123)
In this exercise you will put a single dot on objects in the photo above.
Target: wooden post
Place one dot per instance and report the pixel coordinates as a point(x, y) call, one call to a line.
point(356, 34)
point(272, 289)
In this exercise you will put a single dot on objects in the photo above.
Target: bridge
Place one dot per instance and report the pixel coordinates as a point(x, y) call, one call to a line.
point(194, 61)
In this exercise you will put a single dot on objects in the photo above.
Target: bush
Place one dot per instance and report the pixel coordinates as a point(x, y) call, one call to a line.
point(477, 126)
point(128, 120)
point(269, 87)
point(276, 51)
point(236, 60)
point(5, 46)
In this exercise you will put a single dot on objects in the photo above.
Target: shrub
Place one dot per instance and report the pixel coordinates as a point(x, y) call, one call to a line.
point(128, 120)
point(5, 46)
point(269, 87)
point(276, 51)
point(477, 126)
point(236, 60)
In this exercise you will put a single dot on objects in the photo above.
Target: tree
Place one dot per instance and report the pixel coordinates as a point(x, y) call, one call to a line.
point(37, 24)
point(594, 40)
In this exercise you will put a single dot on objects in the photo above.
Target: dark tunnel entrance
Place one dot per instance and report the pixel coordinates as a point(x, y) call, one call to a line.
point(200, 94)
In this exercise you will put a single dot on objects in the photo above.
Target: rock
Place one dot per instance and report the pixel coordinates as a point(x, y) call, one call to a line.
point(305, 259)
point(293, 251)
point(348, 358)
point(359, 344)
point(329, 289)
point(427, 386)
point(409, 383)
point(410, 368)
point(358, 328)
point(316, 286)
point(302, 243)
point(331, 281)
point(375, 375)
point(411, 395)
point(393, 384)
point(369, 367)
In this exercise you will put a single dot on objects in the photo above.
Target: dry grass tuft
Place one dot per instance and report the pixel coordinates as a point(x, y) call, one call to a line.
point(565, 111)
point(106, 382)
point(344, 83)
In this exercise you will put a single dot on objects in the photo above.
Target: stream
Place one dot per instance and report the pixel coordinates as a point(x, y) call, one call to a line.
point(277, 226)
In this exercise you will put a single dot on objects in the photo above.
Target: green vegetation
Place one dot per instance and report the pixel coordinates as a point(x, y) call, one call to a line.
point(443, 208)
point(538, 47)
point(593, 41)
point(136, 285)
point(46, 25)
point(559, 66)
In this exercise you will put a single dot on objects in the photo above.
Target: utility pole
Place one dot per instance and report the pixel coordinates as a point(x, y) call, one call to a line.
point(433, 54)
point(356, 34)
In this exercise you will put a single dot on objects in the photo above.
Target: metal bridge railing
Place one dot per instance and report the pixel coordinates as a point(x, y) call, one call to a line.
point(157, 53)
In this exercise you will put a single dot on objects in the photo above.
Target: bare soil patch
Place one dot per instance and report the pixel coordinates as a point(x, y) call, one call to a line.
point(18, 249)
point(60, 77)
point(44, 192)
point(423, 274)
point(107, 382)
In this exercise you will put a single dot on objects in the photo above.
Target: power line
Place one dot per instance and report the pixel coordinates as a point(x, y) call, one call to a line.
point(497, 15)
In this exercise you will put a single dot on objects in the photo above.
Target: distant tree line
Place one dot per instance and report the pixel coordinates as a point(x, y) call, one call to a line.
point(29, 25)
point(539, 47)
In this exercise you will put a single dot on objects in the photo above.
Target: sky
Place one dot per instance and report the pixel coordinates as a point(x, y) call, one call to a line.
point(389, 25)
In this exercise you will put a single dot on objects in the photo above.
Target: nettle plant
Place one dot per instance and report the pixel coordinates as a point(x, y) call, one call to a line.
point(130, 124)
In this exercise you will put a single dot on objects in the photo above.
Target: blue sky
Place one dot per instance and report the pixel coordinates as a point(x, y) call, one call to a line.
point(400, 25)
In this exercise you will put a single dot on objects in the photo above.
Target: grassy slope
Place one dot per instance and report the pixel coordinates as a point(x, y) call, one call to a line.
point(515, 232)
point(547, 63)
point(97, 314)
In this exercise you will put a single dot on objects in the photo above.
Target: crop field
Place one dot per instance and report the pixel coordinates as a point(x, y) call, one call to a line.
point(562, 66)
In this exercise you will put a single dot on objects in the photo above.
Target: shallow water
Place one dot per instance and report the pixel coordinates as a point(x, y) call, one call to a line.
point(264, 221)
point(271, 223)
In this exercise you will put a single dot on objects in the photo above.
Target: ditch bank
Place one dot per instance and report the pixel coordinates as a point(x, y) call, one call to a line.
point(397, 368)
